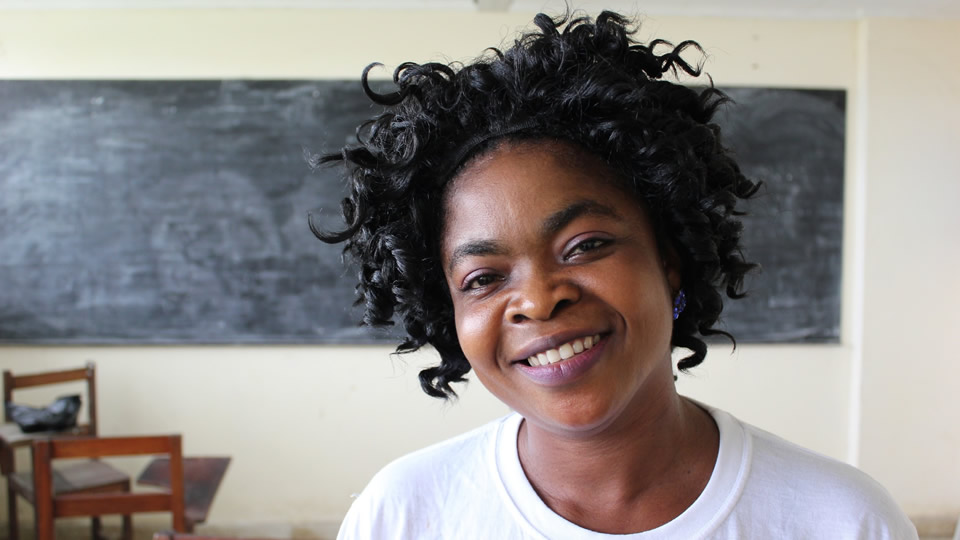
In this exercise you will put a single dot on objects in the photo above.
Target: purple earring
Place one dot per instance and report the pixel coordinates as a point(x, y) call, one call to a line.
point(679, 303)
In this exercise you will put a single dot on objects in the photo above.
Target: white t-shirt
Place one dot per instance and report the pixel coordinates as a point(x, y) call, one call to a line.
point(473, 487)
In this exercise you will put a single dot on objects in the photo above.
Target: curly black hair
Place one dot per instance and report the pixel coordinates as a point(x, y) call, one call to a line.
point(584, 81)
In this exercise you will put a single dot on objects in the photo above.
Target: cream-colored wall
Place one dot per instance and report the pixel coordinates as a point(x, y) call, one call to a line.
point(307, 426)
point(911, 404)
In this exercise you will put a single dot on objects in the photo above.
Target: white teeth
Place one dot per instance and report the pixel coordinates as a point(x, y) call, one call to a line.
point(565, 351)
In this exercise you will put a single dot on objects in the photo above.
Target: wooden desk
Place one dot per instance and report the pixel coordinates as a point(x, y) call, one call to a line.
point(66, 480)
point(12, 437)
point(201, 480)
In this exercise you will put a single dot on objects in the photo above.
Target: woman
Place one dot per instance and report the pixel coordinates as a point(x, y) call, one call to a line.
point(558, 218)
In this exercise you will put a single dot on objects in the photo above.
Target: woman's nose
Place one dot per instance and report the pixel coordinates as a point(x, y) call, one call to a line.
point(541, 296)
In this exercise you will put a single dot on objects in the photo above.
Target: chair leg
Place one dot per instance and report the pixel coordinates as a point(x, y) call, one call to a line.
point(127, 527)
point(12, 517)
point(96, 528)
point(6, 468)
point(43, 520)
point(127, 518)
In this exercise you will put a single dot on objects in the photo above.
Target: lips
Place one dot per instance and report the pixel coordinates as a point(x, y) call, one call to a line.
point(564, 370)
point(563, 352)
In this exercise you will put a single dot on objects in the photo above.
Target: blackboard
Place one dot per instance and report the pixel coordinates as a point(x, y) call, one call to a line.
point(793, 140)
point(175, 212)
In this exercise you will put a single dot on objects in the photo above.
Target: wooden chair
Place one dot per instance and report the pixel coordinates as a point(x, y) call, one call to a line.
point(50, 505)
point(86, 476)
point(167, 535)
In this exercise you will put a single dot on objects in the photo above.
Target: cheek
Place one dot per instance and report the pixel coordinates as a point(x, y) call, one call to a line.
point(477, 332)
point(642, 294)
point(655, 314)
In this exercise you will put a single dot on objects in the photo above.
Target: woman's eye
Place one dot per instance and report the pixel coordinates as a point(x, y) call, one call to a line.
point(589, 244)
point(478, 282)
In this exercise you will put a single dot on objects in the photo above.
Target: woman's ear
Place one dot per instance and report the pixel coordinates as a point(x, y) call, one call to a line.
point(672, 268)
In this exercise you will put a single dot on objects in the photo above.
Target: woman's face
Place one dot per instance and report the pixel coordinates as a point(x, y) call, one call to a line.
point(548, 262)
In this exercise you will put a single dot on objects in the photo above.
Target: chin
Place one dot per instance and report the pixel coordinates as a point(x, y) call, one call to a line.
point(578, 421)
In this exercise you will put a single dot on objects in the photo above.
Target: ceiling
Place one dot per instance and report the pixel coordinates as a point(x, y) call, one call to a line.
point(794, 9)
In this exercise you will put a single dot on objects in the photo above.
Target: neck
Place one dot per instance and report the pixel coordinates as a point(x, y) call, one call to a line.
point(642, 470)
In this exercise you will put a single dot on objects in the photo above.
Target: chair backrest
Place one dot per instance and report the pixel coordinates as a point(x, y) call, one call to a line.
point(49, 506)
point(12, 382)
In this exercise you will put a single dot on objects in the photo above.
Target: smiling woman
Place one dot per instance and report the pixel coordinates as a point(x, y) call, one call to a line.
point(570, 256)
point(559, 219)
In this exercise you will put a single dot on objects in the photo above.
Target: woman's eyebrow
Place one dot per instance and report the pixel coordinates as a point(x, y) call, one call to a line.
point(476, 247)
point(551, 226)
point(561, 218)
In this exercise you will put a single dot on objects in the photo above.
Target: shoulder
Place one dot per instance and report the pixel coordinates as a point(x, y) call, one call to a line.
point(811, 492)
point(804, 471)
point(444, 460)
point(410, 493)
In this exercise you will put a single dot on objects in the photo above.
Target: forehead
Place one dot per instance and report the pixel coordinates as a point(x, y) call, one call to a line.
point(512, 166)
point(520, 183)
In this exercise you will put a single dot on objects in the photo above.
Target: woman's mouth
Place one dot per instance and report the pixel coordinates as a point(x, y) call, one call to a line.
point(564, 364)
point(563, 352)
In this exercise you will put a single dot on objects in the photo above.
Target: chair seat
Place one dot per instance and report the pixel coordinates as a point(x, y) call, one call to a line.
point(87, 476)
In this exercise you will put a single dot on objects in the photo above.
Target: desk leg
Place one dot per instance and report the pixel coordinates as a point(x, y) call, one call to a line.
point(6, 467)
point(127, 519)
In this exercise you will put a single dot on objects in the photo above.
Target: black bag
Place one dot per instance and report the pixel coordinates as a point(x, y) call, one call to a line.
point(59, 415)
